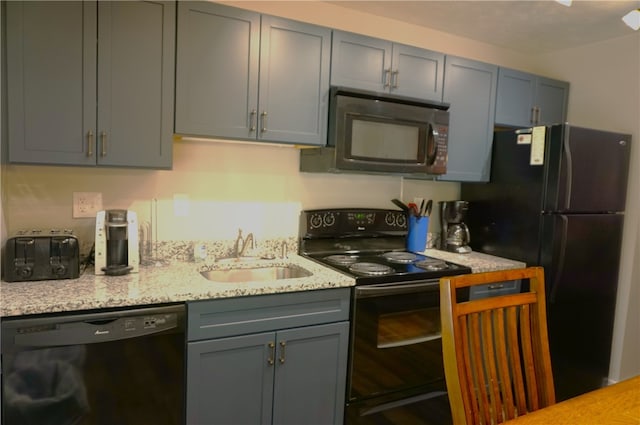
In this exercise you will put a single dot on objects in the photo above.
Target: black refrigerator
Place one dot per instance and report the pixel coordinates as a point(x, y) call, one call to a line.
point(556, 198)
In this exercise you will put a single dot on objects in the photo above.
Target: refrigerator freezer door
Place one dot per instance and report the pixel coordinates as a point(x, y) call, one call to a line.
point(587, 170)
point(581, 255)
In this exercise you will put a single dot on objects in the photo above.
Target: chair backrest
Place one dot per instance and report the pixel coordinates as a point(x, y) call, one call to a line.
point(496, 350)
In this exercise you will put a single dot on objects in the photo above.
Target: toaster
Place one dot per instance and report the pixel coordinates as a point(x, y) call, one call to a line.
point(38, 255)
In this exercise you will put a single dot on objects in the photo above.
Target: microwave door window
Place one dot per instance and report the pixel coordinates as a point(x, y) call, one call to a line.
point(370, 140)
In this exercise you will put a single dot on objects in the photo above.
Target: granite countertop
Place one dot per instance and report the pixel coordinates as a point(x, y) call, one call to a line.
point(166, 283)
point(477, 261)
point(180, 281)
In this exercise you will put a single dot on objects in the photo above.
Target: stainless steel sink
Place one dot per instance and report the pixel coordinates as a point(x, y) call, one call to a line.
point(256, 274)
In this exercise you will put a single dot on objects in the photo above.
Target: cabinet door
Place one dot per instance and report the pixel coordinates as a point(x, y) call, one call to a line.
point(552, 97)
point(230, 380)
point(417, 72)
point(51, 80)
point(360, 62)
point(217, 71)
point(470, 89)
point(294, 81)
point(515, 101)
point(311, 365)
point(135, 83)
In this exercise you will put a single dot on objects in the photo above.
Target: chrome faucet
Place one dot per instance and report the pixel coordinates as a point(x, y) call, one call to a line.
point(284, 249)
point(241, 243)
point(248, 239)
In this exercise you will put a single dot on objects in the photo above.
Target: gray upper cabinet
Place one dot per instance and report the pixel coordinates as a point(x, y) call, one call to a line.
point(382, 66)
point(136, 68)
point(526, 99)
point(217, 70)
point(271, 85)
point(90, 83)
point(470, 89)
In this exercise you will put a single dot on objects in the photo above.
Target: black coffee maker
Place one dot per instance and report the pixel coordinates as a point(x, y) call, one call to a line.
point(454, 233)
point(116, 250)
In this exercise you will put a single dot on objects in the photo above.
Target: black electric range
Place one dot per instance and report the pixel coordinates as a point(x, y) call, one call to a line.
point(369, 245)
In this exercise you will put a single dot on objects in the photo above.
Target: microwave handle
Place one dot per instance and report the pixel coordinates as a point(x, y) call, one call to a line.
point(432, 146)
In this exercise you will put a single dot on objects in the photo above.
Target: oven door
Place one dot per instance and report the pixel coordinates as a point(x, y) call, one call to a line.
point(396, 365)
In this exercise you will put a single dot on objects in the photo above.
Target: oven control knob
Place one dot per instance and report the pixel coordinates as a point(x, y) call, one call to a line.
point(401, 221)
point(390, 219)
point(315, 221)
point(329, 220)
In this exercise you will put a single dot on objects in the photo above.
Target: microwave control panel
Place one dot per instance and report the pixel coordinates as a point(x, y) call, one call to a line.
point(437, 159)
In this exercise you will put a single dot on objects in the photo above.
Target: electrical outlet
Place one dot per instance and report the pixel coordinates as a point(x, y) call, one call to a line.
point(86, 204)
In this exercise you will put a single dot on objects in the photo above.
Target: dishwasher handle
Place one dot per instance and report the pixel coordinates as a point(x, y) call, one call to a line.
point(92, 330)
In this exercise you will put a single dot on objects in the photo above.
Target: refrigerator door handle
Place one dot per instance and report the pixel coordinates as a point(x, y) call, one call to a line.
point(567, 153)
point(563, 251)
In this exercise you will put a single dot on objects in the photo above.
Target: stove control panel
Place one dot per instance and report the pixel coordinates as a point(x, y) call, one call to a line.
point(328, 222)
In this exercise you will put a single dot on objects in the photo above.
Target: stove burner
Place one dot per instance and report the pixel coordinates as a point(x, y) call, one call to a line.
point(400, 257)
point(342, 260)
point(370, 269)
point(432, 264)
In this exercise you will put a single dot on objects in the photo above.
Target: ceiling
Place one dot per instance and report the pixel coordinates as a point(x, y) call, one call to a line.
point(525, 26)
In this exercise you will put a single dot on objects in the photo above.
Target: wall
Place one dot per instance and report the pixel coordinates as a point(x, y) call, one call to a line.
point(228, 186)
point(260, 189)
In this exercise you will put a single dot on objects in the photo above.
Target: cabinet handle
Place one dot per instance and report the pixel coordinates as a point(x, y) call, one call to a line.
point(90, 143)
point(263, 116)
point(103, 143)
point(253, 116)
point(282, 351)
point(387, 78)
point(272, 355)
point(394, 79)
point(537, 115)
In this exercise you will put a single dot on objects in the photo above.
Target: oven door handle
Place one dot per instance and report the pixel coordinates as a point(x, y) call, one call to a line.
point(396, 289)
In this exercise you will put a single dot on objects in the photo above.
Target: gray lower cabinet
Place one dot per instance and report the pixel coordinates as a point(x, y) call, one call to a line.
point(377, 65)
point(525, 99)
point(273, 359)
point(90, 83)
point(470, 89)
point(242, 75)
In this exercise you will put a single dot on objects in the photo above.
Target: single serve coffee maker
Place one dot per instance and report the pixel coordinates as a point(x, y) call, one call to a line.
point(454, 233)
point(116, 250)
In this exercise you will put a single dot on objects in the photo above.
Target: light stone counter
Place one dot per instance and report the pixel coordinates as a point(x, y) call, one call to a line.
point(180, 281)
point(175, 282)
point(478, 261)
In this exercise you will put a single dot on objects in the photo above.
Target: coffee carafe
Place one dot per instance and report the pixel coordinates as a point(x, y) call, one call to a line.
point(454, 234)
point(116, 249)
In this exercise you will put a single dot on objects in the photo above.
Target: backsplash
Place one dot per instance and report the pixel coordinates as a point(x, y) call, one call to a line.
point(213, 190)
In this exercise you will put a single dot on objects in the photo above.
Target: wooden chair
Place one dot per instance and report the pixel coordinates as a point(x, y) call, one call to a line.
point(496, 350)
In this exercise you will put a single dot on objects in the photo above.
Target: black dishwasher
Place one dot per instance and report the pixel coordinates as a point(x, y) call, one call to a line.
point(122, 367)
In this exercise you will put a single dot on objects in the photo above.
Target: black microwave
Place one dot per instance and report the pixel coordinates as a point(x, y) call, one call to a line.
point(381, 133)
